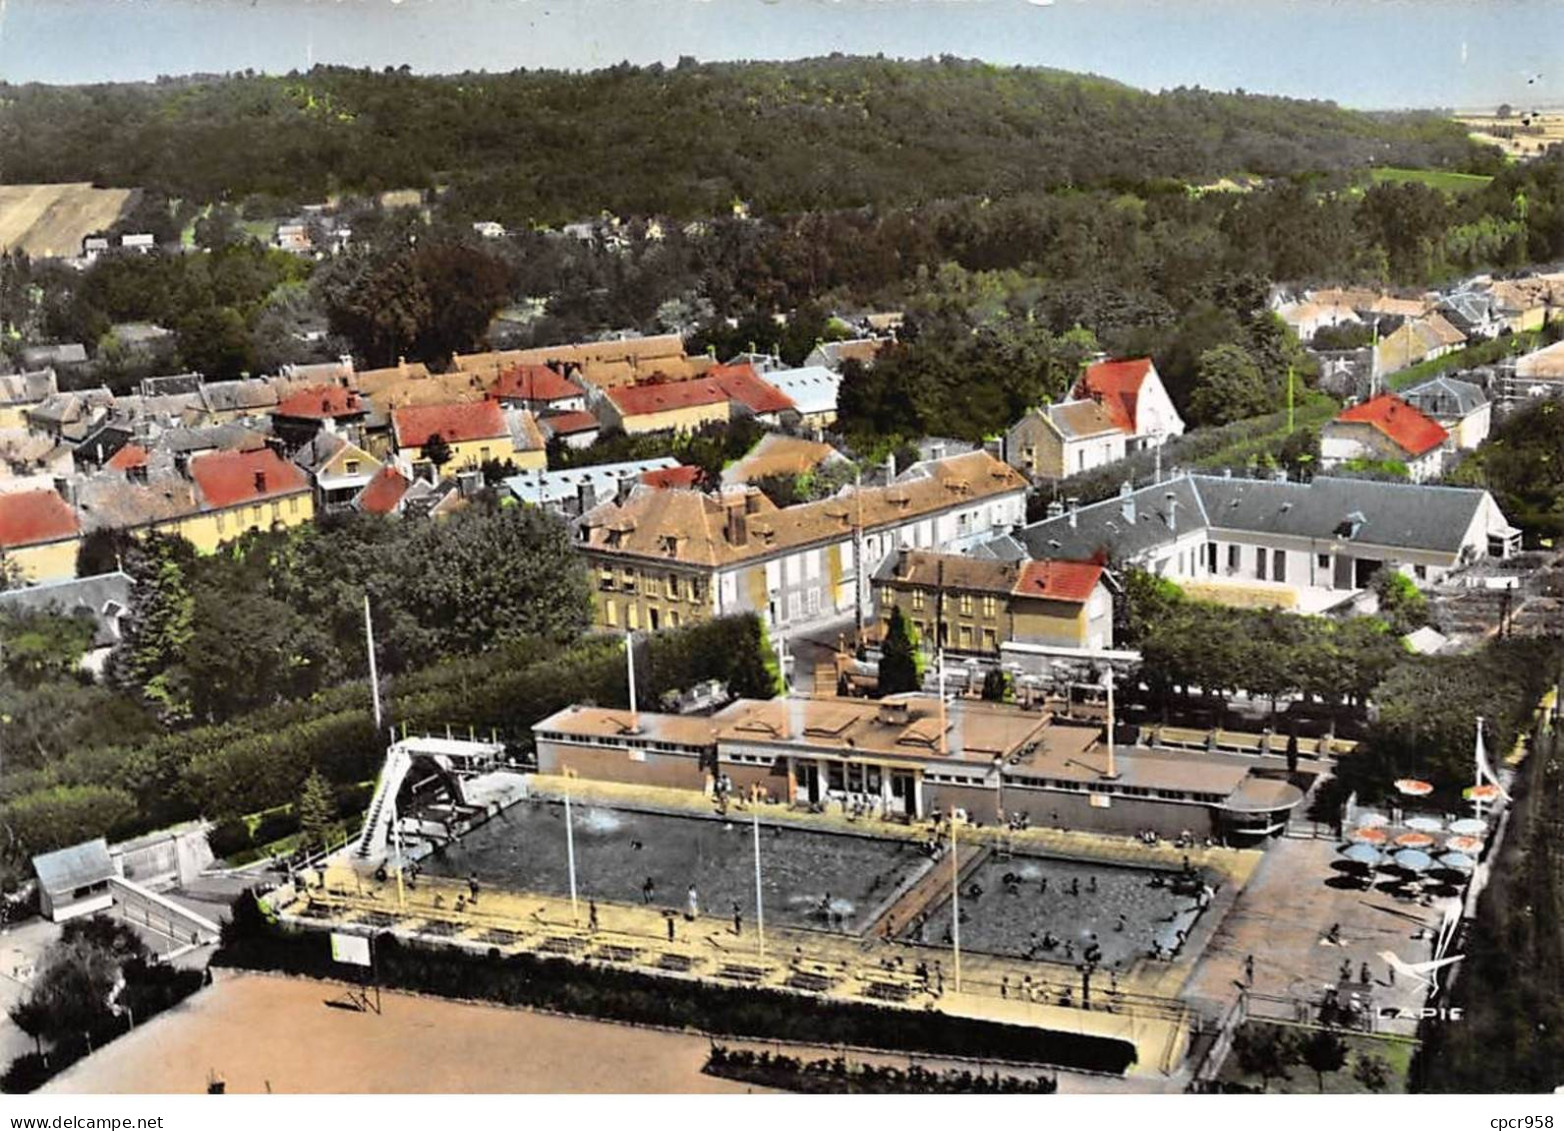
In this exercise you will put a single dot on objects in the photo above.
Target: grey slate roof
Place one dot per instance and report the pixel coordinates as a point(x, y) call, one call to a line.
point(1102, 529)
point(1445, 398)
point(1398, 515)
point(77, 866)
point(95, 595)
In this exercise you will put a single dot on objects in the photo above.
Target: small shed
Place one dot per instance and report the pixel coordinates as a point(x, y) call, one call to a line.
point(74, 881)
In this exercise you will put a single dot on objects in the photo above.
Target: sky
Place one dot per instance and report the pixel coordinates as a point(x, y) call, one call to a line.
point(1466, 54)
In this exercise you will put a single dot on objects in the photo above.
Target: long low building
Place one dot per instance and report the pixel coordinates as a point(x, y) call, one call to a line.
point(1328, 534)
point(906, 757)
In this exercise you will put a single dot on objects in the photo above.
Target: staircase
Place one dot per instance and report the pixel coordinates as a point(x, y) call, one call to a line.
point(377, 820)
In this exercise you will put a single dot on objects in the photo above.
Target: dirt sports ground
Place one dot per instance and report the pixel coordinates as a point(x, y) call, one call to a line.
point(52, 220)
point(260, 1033)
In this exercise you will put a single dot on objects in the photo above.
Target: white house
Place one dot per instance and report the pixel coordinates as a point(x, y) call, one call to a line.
point(1134, 396)
point(1461, 408)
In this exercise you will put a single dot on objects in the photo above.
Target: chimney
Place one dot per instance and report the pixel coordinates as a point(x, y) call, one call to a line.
point(1172, 501)
point(469, 483)
point(401, 365)
point(1055, 509)
point(937, 450)
point(737, 529)
point(902, 556)
point(586, 496)
point(1074, 503)
point(1127, 502)
point(260, 481)
point(752, 502)
point(66, 487)
point(890, 468)
point(182, 463)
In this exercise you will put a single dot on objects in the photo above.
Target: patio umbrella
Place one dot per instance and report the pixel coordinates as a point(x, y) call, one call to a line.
point(1411, 860)
point(1365, 854)
point(1371, 820)
point(1369, 836)
point(1425, 824)
point(1412, 787)
point(1414, 840)
point(1457, 862)
point(1469, 826)
point(1481, 793)
point(1469, 845)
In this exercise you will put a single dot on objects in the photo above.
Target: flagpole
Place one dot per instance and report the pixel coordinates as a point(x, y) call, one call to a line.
point(955, 901)
point(1289, 400)
point(401, 862)
point(760, 906)
point(374, 675)
point(630, 665)
point(570, 854)
point(1477, 771)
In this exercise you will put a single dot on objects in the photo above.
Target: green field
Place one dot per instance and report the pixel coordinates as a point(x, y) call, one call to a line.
point(1433, 178)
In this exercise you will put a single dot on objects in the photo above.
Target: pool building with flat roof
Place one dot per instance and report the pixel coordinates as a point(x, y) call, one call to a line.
point(903, 758)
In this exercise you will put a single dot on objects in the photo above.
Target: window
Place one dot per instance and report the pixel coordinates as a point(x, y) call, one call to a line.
point(1259, 562)
point(812, 602)
point(255, 514)
point(605, 577)
point(483, 454)
point(610, 614)
point(673, 619)
point(632, 616)
point(1323, 560)
point(794, 606)
point(990, 606)
point(276, 510)
point(1279, 566)
point(1234, 558)
point(966, 636)
point(966, 604)
point(1420, 572)
point(673, 585)
point(917, 600)
point(812, 564)
point(293, 505)
point(990, 640)
point(887, 596)
point(351, 466)
point(220, 522)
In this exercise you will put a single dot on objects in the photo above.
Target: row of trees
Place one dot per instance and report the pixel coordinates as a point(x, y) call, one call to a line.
point(261, 760)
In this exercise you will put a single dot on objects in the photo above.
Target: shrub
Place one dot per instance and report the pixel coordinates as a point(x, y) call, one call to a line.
point(275, 825)
point(229, 838)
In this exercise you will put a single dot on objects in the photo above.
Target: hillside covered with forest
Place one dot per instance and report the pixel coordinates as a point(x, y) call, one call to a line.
point(545, 147)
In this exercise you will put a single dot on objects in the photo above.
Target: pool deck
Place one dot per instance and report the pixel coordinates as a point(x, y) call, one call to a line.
point(1144, 1008)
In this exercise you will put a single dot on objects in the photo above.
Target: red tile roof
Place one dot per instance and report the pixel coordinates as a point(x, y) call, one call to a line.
point(382, 493)
point(30, 518)
point(1058, 580)
point(1409, 429)
point(565, 423)
point(734, 383)
point(744, 385)
point(645, 400)
point(1116, 385)
point(664, 478)
point(131, 455)
point(322, 402)
point(228, 479)
point(479, 420)
point(533, 383)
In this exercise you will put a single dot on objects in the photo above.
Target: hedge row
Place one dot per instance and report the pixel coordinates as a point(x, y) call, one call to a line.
point(260, 761)
point(251, 942)
point(839, 1076)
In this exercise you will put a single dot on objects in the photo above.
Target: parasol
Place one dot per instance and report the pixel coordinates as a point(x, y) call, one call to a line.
point(1481, 793)
point(1470, 845)
point(1411, 860)
point(1414, 840)
point(1369, 836)
point(1413, 787)
point(1469, 826)
point(1457, 862)
point(1365, 854)
point(1371, 820)
point(1425, 824)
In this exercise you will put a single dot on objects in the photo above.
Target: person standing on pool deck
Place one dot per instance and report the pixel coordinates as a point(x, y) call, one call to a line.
point(1249, 970)
point(692, 907)
point(1091, 884)
point(738, 919)
point(668, 915)
point(648, 889)
point(592, 915)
